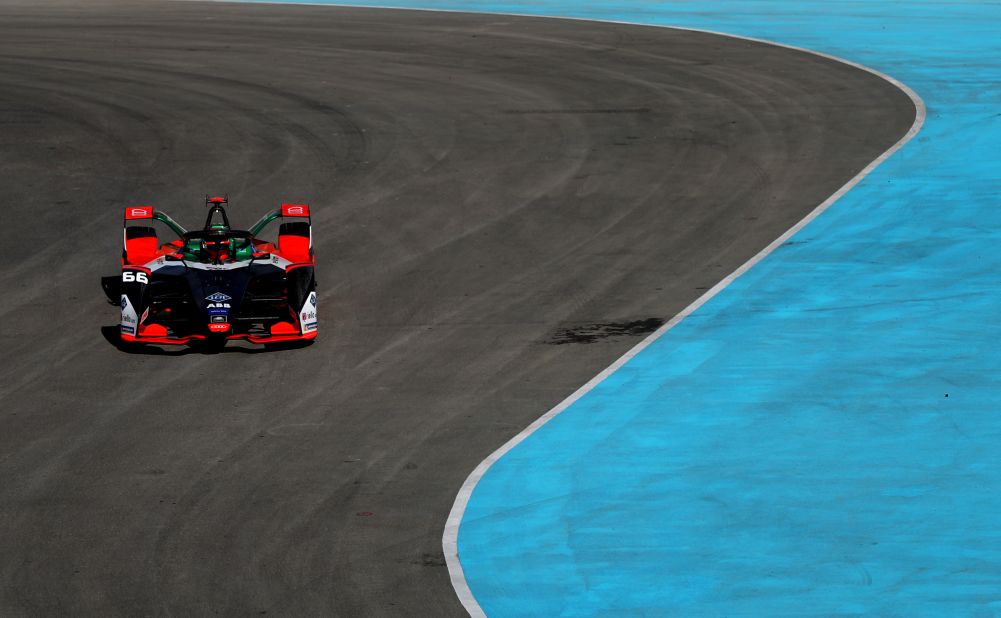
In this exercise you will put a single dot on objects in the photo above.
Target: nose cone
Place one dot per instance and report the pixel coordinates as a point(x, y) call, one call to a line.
point(218, 294)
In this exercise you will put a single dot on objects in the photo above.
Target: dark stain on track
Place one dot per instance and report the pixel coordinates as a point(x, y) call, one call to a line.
point(640, 110)
point(590, 333)
point(452, 239)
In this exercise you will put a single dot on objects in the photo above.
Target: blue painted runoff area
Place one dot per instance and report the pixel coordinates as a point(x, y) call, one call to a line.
point(823, 437)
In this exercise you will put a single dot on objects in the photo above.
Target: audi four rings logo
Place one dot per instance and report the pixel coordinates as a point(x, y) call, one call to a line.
point(218, 297)
point(295, 210)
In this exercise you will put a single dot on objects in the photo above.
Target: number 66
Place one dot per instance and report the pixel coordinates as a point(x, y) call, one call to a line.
point(128, 277)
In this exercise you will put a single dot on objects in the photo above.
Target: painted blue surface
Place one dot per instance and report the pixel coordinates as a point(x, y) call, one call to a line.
point(823, 437)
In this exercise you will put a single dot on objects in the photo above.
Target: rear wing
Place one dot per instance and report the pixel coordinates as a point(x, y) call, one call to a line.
point(295, 234)
point(139, 212)
point(139, 241)
point(293, 211)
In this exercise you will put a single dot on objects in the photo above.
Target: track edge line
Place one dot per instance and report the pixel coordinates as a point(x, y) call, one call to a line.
point(450, 538)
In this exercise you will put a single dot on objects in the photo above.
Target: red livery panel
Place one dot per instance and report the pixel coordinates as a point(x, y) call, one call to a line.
point(138, 212)
point(295, 210)
point(295, 248)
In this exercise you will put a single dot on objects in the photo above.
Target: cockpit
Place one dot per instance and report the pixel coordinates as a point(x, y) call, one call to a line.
point(217, 243)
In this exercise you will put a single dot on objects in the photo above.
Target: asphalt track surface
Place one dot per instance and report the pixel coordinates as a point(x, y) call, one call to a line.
point(502, 206)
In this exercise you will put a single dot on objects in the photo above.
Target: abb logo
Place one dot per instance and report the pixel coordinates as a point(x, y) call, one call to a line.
point(295, 210)
point(139, 212)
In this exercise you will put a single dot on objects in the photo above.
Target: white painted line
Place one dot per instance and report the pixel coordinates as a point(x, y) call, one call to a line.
point(450, 540)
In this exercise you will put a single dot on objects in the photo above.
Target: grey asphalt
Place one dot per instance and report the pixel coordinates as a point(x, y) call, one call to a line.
point(502, 207)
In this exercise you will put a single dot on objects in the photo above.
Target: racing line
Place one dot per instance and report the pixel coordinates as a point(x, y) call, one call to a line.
point(503, 206)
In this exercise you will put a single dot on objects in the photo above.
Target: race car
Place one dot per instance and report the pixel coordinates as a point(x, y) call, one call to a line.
point(216, 284)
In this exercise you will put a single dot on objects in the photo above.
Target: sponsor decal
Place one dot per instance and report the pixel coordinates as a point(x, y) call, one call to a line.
point(219, 328)
point(128, 329)
point(218, 297)
point(295, 210)
point(145, 315)
point(128, 313)
point(307, 314)
point(139, 212)
point(217, 306)
point(308, 321)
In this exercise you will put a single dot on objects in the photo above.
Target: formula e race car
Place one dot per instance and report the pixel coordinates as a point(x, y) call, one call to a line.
point(216, 284)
